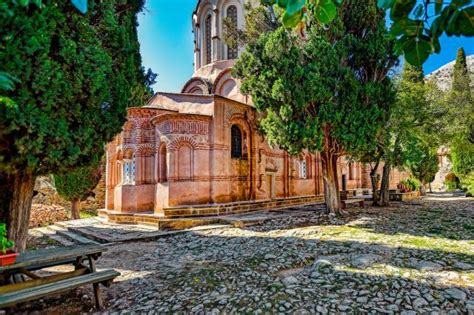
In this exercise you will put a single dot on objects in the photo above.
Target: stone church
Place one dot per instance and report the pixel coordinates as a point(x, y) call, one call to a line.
point(200, 152)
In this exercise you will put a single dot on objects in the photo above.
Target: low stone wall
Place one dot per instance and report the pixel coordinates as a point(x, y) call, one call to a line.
point(206, 214)
point(239, 207)
point(397, 196)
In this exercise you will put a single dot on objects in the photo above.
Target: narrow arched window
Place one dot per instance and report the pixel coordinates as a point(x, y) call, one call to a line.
point(351, 171)
point(236, 142)
point(208, 39)
point(232, 51)
point(163, 164)
point(133, 170)
point(303, 169)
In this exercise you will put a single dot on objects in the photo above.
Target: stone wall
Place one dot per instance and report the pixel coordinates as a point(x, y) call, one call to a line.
point(48, 196)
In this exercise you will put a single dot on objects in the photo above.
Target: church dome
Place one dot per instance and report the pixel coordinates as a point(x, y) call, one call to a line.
point(208, 28)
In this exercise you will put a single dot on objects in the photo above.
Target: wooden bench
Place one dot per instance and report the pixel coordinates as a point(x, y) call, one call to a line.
point(13, 294)
point(40, 286)
point(361, 202)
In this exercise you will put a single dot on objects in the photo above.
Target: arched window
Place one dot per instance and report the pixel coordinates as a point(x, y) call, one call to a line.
point(303, 169)
point(236, 142)
point(351, 171)
point(163, 164)
point(208, 40)
point(133, 170)
point(232, 51)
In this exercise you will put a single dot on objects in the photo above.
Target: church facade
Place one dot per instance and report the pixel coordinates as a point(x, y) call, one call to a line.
point(200, 151)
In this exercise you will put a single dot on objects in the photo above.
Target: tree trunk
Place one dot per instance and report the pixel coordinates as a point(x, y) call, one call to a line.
point(6, 193)
point(331, 185)
point(430, 188)
point(374, 183)
point(423, 189)
point(384, 188)
point(75, 209)
point(20, 207)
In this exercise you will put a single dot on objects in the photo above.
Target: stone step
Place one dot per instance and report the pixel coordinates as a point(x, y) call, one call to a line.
point(44, 231)
point(94, 237)
point(76, 238)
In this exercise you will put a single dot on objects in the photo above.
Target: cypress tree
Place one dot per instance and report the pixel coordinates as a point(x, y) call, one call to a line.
point(75, 75)
point(461, 105)
point(328, 92)
point(78, 184)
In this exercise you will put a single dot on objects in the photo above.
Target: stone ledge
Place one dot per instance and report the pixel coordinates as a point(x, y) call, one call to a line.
point(185, 217)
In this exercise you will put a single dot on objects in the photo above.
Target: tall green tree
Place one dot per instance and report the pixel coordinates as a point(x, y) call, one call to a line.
point(326, 92)
point(425, 166)
point(78, 184)
point(459, 119)
point(410, 123)
point(462, 156)
point(75, 75)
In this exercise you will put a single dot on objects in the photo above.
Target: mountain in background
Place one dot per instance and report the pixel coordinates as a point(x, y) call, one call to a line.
point(444, 75)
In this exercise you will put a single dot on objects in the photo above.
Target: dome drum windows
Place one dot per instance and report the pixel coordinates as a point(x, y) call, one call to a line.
point(208, 39)
point(232, 51)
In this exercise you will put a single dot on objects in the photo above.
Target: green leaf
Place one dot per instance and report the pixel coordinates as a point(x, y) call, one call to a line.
point(290, 21)
point(282, 3)
point(417, 50)
point(461, 23)
point(406, 27)
point(438, 6)
point(398, 48)
point(385, 4)
point(437, 27)
point(401, 9)
point(295, 6)
point(326, 11)
point(436, 44)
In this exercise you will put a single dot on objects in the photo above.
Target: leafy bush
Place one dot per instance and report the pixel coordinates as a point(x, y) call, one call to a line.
point(462, 156)
point(467, 184)
point(451, 182)
point(411, 183)
point(5, 243)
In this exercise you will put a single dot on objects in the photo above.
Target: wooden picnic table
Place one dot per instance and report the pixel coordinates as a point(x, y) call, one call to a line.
point(38, 286)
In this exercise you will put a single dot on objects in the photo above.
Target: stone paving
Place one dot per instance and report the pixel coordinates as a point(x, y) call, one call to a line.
point(411, 258)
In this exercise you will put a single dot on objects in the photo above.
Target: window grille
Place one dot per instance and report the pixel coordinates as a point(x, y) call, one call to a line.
point(232, 51)
point(236, 142)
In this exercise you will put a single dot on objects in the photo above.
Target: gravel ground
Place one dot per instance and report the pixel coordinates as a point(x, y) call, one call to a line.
point(411, 258)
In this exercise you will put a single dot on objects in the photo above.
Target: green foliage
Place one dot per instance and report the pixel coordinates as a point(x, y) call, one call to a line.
point(408, 117)
point(451, 182)
point(425, 167)
point(79, 183)
point(411, 183)
point(258, 20)
point(462, 156)
point(460, 117)
point(5, 244)
point(417, 25)
point(76, 75)
point(334, 81)
point(295, 11)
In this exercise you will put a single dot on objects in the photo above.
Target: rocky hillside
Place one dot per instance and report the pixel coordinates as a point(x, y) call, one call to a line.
point(443, 76)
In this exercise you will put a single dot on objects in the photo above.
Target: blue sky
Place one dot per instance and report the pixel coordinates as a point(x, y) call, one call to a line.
point(166, 40)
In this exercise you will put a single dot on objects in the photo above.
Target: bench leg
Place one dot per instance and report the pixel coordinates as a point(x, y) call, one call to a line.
point(98, 296)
